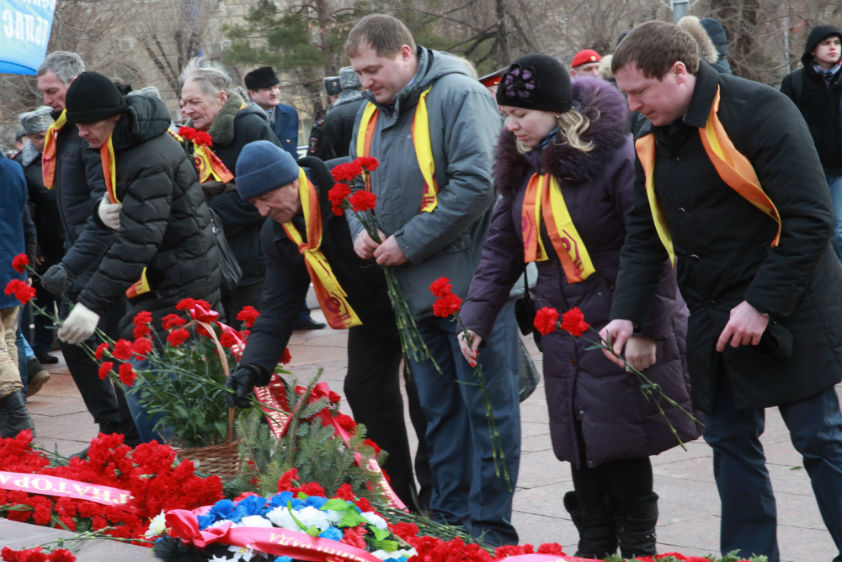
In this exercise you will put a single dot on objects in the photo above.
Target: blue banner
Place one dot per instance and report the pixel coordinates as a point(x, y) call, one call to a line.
point(24, 32)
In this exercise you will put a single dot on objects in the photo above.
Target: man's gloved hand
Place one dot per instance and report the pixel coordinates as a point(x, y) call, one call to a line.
point(109, 213)
point(242, 381)
point(57, 279)
point(79, 325)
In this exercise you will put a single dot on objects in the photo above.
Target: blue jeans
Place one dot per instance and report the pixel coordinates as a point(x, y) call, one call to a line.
point(834, 183)
point(143, 420)
point(749, 514)
point(466, 488)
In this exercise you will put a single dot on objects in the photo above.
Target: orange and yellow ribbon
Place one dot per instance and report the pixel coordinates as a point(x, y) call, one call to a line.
point(48, 155)
point(732, 166)
point(544, 200)
point(420, 139)
point(332, 298)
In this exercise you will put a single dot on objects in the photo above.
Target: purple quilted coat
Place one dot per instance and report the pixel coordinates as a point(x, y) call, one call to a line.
point(598, 412)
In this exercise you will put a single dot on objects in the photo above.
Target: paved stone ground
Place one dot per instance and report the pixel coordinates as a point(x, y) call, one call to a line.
point(689, 505)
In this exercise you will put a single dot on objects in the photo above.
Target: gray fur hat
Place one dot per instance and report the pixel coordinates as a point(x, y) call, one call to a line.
point(36, 121)
point(707, 49)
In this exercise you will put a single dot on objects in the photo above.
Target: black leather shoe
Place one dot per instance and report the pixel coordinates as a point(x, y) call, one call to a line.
point(46, 358)
point(310, 324)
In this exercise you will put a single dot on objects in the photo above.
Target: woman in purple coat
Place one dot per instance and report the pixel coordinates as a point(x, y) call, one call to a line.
point(564, 168)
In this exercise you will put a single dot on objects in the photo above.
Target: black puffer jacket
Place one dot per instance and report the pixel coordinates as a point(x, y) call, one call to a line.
point(43, 208)
point(234, 127)
point(820, 102)
point(164, 224)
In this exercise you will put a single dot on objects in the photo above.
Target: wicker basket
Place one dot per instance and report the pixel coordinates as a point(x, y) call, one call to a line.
point(222, 459)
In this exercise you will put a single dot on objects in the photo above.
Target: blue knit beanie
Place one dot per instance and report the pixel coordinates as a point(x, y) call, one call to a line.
point(261, 167)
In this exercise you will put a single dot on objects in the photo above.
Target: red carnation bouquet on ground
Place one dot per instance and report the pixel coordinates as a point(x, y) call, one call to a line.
point(573, 322)
point(362, 202)
point(186, 361)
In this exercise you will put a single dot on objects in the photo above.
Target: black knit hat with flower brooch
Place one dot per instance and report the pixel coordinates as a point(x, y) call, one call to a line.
point(536, 82)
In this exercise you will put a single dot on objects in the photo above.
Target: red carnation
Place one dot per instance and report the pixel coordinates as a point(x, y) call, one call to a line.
point(286, 481)
point(286, 357)
point(248, 315)
point(105, 368)
point(367, 163)
point(313, 489)
point(177, 337)
point(62, 555)
point(202, 138)
point(347, 171)
point(20, 289)
point(171, 321)
point(123, 349)
point(545, 320)
point(100, 349)
point(573, 322)
point(20, 262)
point(363, 201)
point(373, 445)
point(228, 339)
point(141, 347)
point(346, 422)
point(187, 133)
point(127, 374)
point(447, 305)
point(142, 318)
point(337, 195)
point(441, 287)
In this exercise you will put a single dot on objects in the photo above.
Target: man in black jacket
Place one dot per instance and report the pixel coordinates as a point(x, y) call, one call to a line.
point(816, 89)
point(730, 188)
point(270, 179)
point(76, 176)
point(164, 249)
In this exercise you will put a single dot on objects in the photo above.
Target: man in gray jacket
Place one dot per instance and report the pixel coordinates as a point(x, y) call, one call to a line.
point(433, 228)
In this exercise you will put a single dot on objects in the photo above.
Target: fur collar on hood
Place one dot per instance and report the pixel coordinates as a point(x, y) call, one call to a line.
point(222, 128)
point(605, 107)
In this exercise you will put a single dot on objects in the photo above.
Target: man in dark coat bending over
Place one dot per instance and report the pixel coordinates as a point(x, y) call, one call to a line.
point(298, 206)
point(729, 186)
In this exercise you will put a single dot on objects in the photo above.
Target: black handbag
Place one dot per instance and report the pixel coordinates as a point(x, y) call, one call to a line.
point(230, 271)
point(525, 313)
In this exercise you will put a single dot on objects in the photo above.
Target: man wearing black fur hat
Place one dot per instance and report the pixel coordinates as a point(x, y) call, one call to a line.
point(163, 238)
point(816, 89)
point(262, 84)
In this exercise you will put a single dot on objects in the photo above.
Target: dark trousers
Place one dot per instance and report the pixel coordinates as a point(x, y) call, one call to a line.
point(372, 387)
point(42, 340)
point(243, 296)
point(469, 490)
point(104, 401)
point(616, 483)
point(749, 514)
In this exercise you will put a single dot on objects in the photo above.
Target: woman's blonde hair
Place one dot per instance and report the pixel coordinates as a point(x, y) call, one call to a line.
point(571, 124)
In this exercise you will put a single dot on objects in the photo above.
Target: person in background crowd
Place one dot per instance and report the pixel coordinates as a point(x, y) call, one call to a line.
point(331, 135)
point(585, 63)
point(271, 180)
point(730, 188)
point(75, 173)
point(210, 104)
point(816, 88)
point(600, 421)
point(433, 228)
point(14, 417)
point(45, 214)
point(710, 36)
point(164, 249)
point(262, 86)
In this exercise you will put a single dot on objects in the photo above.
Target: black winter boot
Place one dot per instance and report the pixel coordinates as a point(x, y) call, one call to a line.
point(597, 534)
point(15, 416)
point(636, 527)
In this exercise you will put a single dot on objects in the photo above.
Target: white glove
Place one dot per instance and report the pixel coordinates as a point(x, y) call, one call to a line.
point(109, 213)
point(79, 325)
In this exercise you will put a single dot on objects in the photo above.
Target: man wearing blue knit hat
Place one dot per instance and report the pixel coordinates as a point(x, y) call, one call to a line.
point(304, 236)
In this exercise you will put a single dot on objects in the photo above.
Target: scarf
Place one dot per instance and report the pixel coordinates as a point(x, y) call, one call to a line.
point(544, 200)
point(732, 166)
point(329, 293)
point(827, 74)
point(48, 156)
point(420, 139)
point(207, 163)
